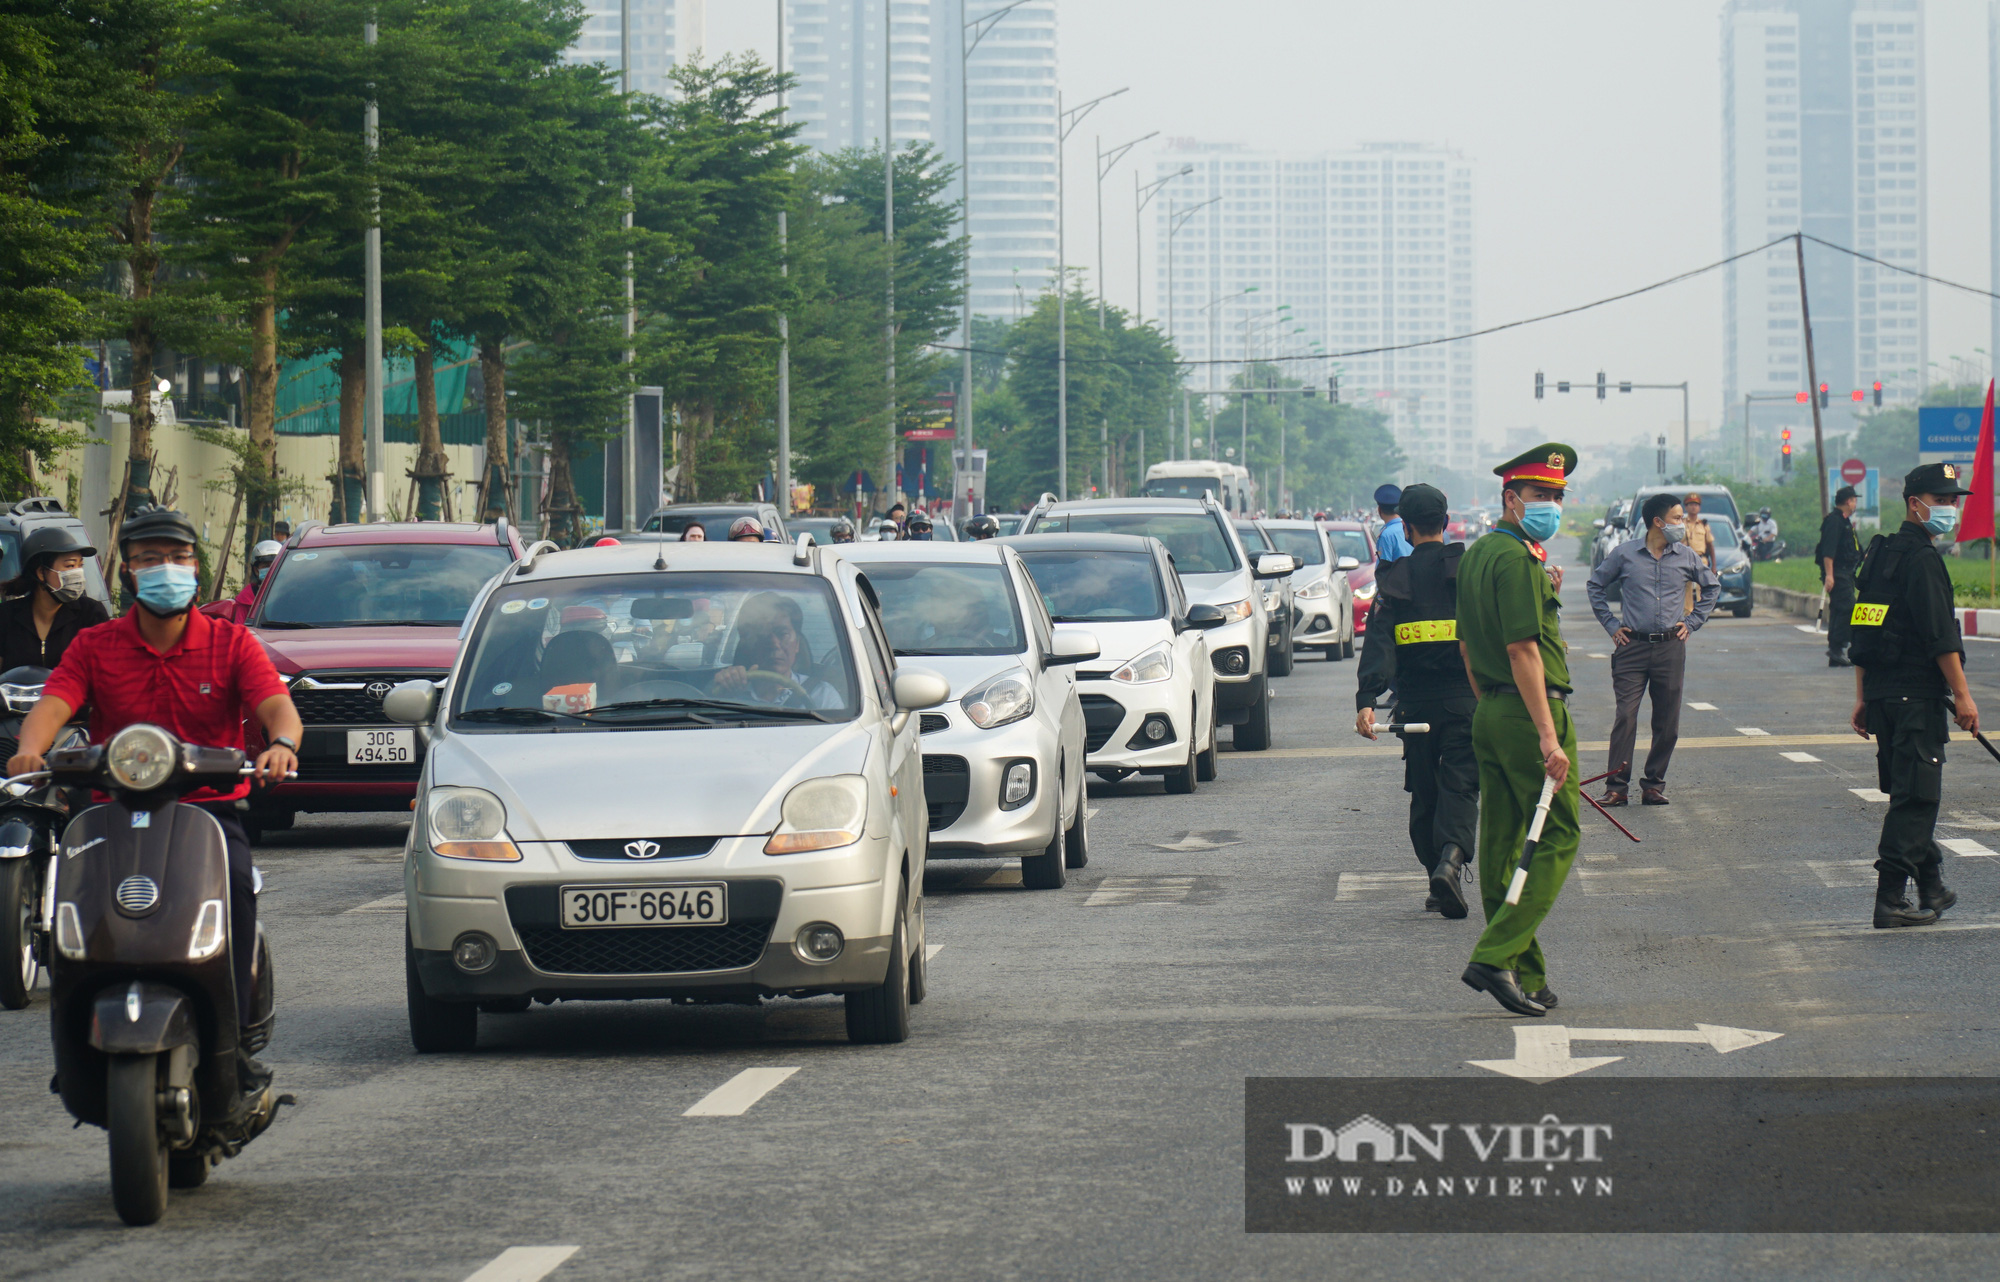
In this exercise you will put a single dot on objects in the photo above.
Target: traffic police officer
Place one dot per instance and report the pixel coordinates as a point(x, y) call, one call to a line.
point(1909, 677)
point(1510, 632)
point(1391, 543)
point(1413, 646)
point(1838, 555)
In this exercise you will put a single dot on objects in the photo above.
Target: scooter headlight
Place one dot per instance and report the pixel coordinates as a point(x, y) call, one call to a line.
point(210, 932)
point(140, 757)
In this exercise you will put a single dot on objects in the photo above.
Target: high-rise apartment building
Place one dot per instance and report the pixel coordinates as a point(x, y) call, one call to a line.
point(1349, 250)
point(1823, 131)
point(1009, 86)
point(663, 33)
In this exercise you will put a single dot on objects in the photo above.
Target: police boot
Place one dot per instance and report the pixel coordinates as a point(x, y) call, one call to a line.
point(1891, 909)
point(1932, 893)
point(1447, 882)
point(1837, 658)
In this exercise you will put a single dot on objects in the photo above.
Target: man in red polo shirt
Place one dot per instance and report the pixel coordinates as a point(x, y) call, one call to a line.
point(171, 666)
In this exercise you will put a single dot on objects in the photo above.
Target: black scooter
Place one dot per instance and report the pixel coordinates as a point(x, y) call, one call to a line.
point(142, 990)
point(31, 822)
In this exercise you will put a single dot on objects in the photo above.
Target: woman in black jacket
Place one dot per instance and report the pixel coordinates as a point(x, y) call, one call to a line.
point(46, 604)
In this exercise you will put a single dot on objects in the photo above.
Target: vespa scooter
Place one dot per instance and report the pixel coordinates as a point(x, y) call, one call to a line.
point(31, 822)
point(142, 990)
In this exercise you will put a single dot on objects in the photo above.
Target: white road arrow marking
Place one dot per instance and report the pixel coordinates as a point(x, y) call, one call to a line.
point(1965, 847)
point(1702, 707)
point(1541, 1051)
point(1800, 757)
point(1197, 841)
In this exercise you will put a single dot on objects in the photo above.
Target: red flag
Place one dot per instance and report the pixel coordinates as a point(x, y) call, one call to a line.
point(1977, 520)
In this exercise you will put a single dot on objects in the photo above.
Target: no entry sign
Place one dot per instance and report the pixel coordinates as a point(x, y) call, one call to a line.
point(1854, 471)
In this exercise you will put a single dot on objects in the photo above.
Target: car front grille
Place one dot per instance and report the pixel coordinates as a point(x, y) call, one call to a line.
point(645, 950)
point(353, 707)
point(947, 785)
point(931, 722)
point(1102, 715)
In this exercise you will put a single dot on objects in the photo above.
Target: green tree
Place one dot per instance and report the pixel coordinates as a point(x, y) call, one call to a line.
point(573, 382)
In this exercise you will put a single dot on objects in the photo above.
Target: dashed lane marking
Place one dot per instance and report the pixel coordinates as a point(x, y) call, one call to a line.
point(1807, 627)
point(1798, 756)
point(1965, 846)
point(1970, 819)
point(1627, 881)
point(1598, 656)
point(394, 904)
point(932, 950)
point(1600, 859)
point(734, 1097)
point(523, 1264)
point(1870, 794)
point(1124, 892)
point(1355, 886)
point(1702, 707)
point(1840, 874)
point(1753, 732)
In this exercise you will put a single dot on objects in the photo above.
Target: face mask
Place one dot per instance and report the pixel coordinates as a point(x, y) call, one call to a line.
point(1675, 533)
point(1942, 520)
point(1540, 521)
point(166, 590)
point(69, 586)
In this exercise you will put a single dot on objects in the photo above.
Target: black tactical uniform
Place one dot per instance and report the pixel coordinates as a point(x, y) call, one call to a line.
point(1838, 543)
point(1412, 645)
point(1902, 623)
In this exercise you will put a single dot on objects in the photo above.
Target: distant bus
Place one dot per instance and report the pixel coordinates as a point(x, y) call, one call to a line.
point(1192, 478)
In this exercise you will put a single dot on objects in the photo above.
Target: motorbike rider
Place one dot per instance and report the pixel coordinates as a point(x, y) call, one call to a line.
point(196, 677)
point(46, 605)
point(746, 529)
point(841, 531)
point(920, 526)
point(982, 527)
point(887, 531)
point(1764, 530)
point(262, 558)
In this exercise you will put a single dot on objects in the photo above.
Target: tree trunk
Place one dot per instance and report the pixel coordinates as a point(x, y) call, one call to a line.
point(431, 463)
point(261, 411)
point(565, 515)
point(494, 489)
point(349, 481)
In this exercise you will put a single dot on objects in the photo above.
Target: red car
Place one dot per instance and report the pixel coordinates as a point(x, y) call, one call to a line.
point(346, 613)
point(1351, 538)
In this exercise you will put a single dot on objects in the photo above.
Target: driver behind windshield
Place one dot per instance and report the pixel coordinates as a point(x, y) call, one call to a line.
point(770, 642)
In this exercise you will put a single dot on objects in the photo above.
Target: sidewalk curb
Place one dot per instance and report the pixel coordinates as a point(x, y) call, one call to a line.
point(1806, 605)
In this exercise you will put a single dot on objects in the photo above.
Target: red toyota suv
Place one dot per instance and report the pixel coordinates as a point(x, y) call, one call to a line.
point(347, 612)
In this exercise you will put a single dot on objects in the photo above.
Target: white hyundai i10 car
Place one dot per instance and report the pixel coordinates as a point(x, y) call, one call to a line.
point(726, 806)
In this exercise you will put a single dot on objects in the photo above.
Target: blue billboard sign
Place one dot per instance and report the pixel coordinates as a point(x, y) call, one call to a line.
point(1949, 434)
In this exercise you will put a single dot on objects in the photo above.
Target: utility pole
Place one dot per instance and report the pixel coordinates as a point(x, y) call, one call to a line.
point(1065, 122)
point(1812, 373)
point(628, 472)
point(1106, 162)
point(784, 321)
point(371, 255)
point(887, 485)
point(1142, 197)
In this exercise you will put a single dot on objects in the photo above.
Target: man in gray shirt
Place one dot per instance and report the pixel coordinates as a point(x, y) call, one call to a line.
point(1651, 641)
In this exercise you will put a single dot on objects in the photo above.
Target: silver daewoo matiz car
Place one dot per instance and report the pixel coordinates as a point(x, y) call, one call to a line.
point(684, 771)
point(1004, 760)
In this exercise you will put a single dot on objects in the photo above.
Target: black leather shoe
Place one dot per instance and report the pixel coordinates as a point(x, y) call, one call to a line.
point(1898, 912)
point(1933, 894)
point(1446, 880)
point(1546, 997)
point(1505, 987)
point(1430, 903)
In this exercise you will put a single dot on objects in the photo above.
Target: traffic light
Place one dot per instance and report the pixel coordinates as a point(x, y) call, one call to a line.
point(1310, 392)
point(1802, 398)
point(1823, 400)
point(1563, 387)
point(1600, 385)
point(1859, 395)
point(1538, 385)
point(1785, 447)
point(1625, 388)
point(1333, 389)
point(1878, 393)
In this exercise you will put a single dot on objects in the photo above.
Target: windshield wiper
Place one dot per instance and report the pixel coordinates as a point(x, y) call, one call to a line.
point(686, 705)
point(518, 716)
point(284, 623)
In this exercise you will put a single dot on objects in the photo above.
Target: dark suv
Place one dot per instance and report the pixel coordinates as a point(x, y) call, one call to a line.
point(347, 612)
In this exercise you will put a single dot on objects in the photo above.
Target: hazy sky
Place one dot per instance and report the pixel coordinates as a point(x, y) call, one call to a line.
point(1597, 129)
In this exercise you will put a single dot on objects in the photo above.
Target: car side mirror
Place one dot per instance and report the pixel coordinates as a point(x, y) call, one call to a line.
point(411, 703)
point(1347, 563)
point(1071, 645)
point(1204, 617)
point(1598, 524)
point(1274, 565)
point(914, 689)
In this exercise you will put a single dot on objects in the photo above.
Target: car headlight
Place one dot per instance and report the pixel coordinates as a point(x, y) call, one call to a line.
point(821, 814)
point(999, 700)
point(1156, 664)
point(1315, 591)
point(469, 823)
point(141, 757)
point(1235, 611)
point(1365, 593)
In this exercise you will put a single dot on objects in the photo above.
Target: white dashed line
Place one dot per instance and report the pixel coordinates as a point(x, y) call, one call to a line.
point(1753, 732)
point(523, 1264)
point(1970, 819)
point(1375, 885)
point(1702, 707)
point(1121, 892)
point(1869, 794)
point(1840, 874)
point(1807, 627)
point(1798, 756)
point(1597, 859)
point(394, 904)
point(1599, 656)
point(734, 1097)
point(1626, 881)
point(932, 950)
point(1966, 846)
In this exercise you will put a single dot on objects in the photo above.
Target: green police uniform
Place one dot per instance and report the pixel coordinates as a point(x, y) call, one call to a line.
point(1505, 595)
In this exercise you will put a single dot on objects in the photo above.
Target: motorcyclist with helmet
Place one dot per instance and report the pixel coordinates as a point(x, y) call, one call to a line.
point(920, 527)
point(746, 529)
point(262, 558)
point(46, 604)
point(982, 527)
point(841, 531)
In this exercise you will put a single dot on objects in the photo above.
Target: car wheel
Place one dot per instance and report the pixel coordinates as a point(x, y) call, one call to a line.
point(1045, 871)
point(1347, 647)
point(1204, 761)
point(20, 908)
point(1741, 611)
point(1181, 780)
point(436, 1026)
point(882, 1014)
point(920, 965)
point(1076, 842)
point(1281, 658)
point(1254, 735)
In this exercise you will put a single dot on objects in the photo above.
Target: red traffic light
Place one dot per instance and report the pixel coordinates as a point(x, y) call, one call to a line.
point(1859, 396)
point(1785, 436)
point(1878, 393)
point(1802, 398)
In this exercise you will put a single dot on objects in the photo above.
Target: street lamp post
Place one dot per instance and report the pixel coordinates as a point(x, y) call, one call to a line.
point(1142, 197)
point(1106, 162)
point(1213, 310)
point(888, 482)
point(1176, 219)
point(784, 322)
point(1066, 121)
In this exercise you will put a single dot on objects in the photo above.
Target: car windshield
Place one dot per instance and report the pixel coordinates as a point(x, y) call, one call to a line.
point(1302, 544)
point(929, 608)
point(1724, 532)
point(1252, 536)
point(1096, 587)
point(651, 649)
point(1349, 543)
point(1008, 524)
point(714, 524)
point(378, 584)
point(1181, 487)
point(1195, 539)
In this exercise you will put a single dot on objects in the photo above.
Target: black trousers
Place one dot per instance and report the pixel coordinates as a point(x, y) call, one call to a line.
point(1636, 667)
point(1910, 735)
point(1840, 612)
point(242, 904)
point(1442, 777)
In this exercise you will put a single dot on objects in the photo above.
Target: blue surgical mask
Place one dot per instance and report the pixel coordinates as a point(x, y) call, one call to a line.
point(1942, 520)
point(165, 589)
point(1540, 521)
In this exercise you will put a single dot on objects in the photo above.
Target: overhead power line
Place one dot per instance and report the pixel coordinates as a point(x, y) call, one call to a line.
point(1907, 271)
